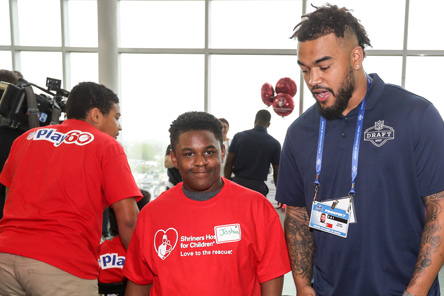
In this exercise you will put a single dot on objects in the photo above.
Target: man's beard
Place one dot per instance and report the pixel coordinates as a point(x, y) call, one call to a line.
point(344, 95)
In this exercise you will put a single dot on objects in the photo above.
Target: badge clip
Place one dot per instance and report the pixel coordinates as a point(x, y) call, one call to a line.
point(316, 186)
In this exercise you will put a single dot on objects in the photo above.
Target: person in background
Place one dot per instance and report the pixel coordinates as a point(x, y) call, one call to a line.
point(252, 153)
point(112, 253)
point(7, 135)
point(59, 179)
point(207, 235)
point(227, 141)
point(174, 176)
point(370, 155)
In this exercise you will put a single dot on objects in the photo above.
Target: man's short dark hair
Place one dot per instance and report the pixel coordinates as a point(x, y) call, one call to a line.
point(88, 95)
point(330, 19)
point(263, 116)
point(195, 121)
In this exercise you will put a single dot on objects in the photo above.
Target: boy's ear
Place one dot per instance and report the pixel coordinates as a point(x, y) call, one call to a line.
point(94, 116)
point(173, 159)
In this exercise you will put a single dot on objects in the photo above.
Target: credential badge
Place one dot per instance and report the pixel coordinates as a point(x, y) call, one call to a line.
point(379, 134)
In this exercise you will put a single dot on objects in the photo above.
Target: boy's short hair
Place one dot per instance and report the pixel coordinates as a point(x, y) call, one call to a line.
point(88, 95)
point(195, 121)
point(113, 229)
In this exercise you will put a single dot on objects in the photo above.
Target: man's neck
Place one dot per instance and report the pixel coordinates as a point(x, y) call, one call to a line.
point(359, 93)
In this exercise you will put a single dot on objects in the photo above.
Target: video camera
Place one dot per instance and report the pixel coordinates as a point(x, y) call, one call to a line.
point(21, 108)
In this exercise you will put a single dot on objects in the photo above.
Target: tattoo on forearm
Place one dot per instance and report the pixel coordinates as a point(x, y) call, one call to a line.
point(431, 239)
point(299, 242)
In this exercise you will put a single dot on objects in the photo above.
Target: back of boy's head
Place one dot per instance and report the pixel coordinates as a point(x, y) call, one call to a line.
point(88, 95)
point(195, 121)
point(114, 230)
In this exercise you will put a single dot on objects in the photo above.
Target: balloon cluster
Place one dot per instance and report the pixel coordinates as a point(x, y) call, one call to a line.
point(282, 103)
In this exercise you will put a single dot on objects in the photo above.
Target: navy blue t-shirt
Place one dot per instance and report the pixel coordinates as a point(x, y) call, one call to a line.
point(401, 159)
point(254, 151)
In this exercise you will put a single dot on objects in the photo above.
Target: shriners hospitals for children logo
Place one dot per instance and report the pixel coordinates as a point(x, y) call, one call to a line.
point(57, 138)
point(165, 241)
point(379, 134)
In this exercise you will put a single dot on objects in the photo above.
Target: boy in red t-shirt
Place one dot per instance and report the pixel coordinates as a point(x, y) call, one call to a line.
point(112, 253)
point(206, 235)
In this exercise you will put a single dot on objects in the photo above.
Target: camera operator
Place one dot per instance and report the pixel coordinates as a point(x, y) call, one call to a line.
point(7, 135)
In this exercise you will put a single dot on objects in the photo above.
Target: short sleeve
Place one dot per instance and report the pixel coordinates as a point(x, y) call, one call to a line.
point(290, 190)
point(429, 152)
point(274, 261)
point(136, 268)
point(233, 144)
point(118, 181)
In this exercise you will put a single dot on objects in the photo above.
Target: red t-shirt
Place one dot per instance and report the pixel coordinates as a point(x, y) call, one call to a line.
point(60, 180)
point(227, 245)
point(111, 258)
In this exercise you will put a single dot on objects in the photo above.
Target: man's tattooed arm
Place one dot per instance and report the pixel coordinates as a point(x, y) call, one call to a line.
point(300, 248)
point(431, 250)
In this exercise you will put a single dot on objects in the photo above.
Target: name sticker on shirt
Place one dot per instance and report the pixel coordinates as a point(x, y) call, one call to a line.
point(227, 233)
point(331, 220)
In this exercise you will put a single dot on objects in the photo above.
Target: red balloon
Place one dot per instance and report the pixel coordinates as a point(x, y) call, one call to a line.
point(287, 86)
point(267, 94)
point(283, 104)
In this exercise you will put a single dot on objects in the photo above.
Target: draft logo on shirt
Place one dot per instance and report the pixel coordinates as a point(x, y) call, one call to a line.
point(379, 134)
point(165, 241)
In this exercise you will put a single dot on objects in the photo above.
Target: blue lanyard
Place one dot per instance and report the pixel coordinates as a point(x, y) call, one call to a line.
point(356, 144)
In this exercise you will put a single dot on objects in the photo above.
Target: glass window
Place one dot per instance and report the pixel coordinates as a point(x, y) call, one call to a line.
point(422, 80)
point(84, 67)
point(253, 24)
point(162, 24)
point(425, 24)
point(309, 100)
point(155, 90)
point(82, 23)
point(37, 66)
point(5, 36)
point(5, 60)
point(383, 20)
point(236, 83)
point(39, 22)
point(388, 68)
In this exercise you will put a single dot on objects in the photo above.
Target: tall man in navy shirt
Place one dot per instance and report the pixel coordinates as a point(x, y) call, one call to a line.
point(370, 156)
point(251, 153)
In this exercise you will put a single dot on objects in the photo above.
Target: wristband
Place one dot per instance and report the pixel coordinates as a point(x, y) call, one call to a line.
point(407, 294)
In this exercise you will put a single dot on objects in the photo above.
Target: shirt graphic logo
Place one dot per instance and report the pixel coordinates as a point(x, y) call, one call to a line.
point(57, 138)
point(111, 260)
point(379, 134)
point(165, 241)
